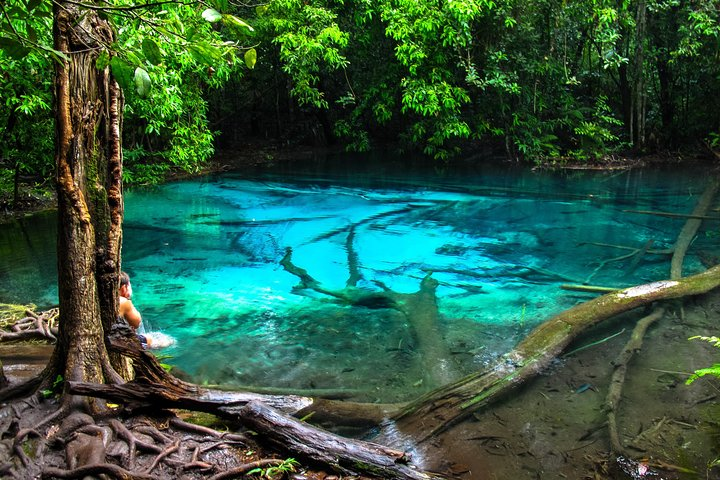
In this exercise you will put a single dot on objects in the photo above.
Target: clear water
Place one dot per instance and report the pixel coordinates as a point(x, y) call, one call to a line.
point(204, 256)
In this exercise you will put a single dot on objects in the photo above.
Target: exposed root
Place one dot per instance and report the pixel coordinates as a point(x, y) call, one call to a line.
point(114, 471)
point(137, 448)
point(614, 395)
point(34, 326)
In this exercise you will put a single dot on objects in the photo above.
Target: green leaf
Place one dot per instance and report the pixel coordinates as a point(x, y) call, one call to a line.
point(58, 56)
point(122, 71)
point(234, 22)
point(13, 48)
point(212, 15)
point(220, 4)
point(142, 82)
point(32, 5)
point(206, 53)
point(250, 58)
point(103, 60)
point(151, 51)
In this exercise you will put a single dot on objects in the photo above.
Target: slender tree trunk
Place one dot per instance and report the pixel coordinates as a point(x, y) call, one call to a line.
point(639, 99)
point(88, 162)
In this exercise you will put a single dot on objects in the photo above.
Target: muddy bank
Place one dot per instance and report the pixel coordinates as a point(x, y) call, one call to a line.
point(555, 427)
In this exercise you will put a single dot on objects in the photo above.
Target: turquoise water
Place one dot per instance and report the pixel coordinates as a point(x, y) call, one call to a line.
point(204, 256)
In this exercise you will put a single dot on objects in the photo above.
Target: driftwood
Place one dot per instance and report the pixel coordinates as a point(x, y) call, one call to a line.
point(443, 407)
point(347, 456)
point(612, 400)
point(674, 215)
point(685, 238)
point(139, 394)
point(588, 288)
point(687, 234)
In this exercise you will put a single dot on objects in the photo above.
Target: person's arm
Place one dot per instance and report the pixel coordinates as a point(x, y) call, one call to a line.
point(130, 313)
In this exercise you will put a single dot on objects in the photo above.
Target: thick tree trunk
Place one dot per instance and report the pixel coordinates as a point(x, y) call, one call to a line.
point(448, 405)
point(88, 161)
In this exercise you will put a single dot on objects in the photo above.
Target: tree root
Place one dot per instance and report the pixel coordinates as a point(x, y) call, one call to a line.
point(612, 400)
point(34, 326)
point(105, 468)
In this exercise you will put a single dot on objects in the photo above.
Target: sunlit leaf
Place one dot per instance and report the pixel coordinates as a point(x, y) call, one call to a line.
point(151, 51)
point(122, 71)
point(250, 58)
point(142, 82)
point(234, 22)
point(59, 56)
point(132, 58)
point(205, 53)
point(212, 15)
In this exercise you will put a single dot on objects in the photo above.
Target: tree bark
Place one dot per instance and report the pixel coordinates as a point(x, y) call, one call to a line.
point(350, 457)
point(88, 162)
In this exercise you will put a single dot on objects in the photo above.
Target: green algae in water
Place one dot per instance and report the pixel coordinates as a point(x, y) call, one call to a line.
point(205, 257)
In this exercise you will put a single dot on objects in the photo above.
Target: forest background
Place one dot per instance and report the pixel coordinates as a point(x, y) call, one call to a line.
point(541, 81)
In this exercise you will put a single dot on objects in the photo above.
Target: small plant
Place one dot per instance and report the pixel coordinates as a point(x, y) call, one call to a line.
point(715, 369)
point(287, 466)
point(56, 388)
point(162, 360)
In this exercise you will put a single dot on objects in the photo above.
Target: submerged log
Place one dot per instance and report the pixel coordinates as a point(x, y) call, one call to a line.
point(443, 407)
point(687, 234)
point(419, 308)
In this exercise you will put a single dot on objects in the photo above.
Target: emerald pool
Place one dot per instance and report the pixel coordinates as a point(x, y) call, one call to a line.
point(205, 259)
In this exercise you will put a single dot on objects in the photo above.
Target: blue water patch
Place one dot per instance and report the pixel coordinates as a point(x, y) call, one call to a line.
point(206, 259)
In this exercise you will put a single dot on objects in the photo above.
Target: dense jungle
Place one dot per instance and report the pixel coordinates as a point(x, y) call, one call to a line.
point(101, 97)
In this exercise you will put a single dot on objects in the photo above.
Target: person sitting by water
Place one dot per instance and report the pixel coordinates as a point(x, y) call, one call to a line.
point(127, 310)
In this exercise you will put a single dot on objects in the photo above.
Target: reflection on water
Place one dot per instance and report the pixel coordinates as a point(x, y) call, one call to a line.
point(205, 259)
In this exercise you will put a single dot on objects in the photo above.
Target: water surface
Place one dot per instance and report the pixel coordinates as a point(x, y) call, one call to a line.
point(205, 259)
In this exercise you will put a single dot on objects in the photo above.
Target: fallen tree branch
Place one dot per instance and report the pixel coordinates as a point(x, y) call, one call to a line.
point(687, 234)
point(614, 395)
point(350, 457)
point(673, 215)
point(445, 406)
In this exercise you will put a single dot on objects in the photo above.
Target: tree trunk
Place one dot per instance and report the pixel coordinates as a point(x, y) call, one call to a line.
point(88, 161)
point(3, 378)
point(639, 98)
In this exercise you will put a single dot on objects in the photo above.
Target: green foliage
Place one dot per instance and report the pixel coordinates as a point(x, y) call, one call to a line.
point(55, 389)
point(715, 369)
point(26, 126)
point(287, 466)
point(165, 59)
point(309, 42)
